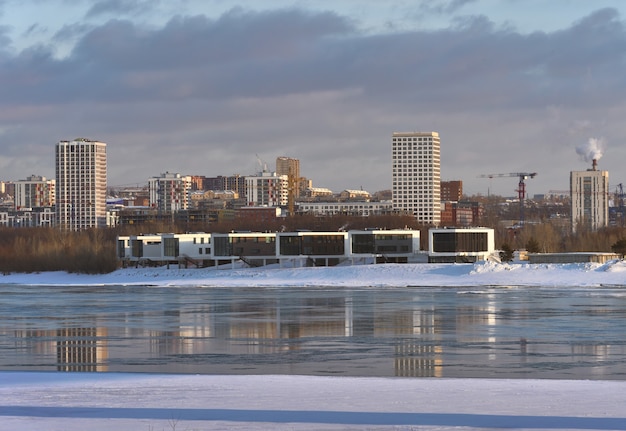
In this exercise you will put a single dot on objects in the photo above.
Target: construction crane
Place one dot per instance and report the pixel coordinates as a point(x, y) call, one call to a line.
point(521, 187)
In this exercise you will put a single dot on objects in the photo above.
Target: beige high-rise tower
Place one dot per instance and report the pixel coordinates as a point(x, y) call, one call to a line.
point(291, 168)
point(416, 175)
point(589, 192)
point(81, 184)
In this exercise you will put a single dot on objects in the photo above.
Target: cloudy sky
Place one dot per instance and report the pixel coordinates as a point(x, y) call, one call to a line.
point(204, 87)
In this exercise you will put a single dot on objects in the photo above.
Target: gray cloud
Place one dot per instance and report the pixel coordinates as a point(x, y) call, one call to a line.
point(120, 7)
point(443, 7)
point(203, 95)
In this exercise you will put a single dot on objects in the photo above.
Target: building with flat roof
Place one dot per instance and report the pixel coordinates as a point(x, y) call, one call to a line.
point(170, 192)
point(416, 175)
point(451, 191)
point(589, 192)
point(267, 189)
point(81, 184)
point(34, 192)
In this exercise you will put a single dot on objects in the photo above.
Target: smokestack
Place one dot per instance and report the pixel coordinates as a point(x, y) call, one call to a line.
point(594, 164)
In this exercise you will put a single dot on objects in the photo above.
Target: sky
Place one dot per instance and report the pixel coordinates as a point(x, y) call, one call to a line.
point(214, 87)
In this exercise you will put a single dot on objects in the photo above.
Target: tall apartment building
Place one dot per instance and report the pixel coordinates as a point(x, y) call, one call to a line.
point(170, 192)
point(416, 175)
point(81, 184)
point(34, 192)
point(291, 168)
point(589, 192)
point(267, 189)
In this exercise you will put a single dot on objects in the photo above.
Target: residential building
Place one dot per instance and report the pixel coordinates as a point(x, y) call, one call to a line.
point(589, 192)
point(355, 195)
point(81, 184)
point(348, 208)
point(236, 183)
point(169, 192)
point(291, 168)
point(34, 192)
point(451, 191)
point(267, 189)
point(416, 176)
point(460, 213)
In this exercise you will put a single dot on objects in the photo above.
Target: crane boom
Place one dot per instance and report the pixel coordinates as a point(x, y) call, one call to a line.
point(521, 187)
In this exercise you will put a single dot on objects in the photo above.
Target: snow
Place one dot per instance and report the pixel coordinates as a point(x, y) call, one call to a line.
point(54, 401)
point(388, 275)
point(119, 401)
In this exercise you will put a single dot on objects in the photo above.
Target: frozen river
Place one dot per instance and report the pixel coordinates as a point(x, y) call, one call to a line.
point(563, 333)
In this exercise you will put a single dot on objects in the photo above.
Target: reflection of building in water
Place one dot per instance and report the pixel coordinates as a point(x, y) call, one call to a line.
point(35, 342)
point(79, 349)
point(414, 359)
point(421, 354)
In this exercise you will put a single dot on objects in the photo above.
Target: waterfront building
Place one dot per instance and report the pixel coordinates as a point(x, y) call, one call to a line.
point(81, 184)
point(460, 245)
point(416, 176)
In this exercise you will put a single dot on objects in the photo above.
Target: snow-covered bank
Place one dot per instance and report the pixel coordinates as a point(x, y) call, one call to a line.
point(387, 275)
point(57, 401)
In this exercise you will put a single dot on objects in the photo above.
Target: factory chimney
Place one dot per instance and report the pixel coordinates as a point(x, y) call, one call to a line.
point(594, 165)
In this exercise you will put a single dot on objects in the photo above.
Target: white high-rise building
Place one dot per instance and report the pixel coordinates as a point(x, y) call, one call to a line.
point(34, 192)
point(170, 192)
point(81, 184)
point(589, 192)
point(416, 175)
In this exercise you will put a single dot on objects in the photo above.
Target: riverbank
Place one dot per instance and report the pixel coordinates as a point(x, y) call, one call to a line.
point(386, 275)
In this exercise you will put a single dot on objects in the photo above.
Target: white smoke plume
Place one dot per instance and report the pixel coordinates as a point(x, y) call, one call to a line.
point(592, 150)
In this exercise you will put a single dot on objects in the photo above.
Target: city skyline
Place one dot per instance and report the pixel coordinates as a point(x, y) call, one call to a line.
point(510, 86)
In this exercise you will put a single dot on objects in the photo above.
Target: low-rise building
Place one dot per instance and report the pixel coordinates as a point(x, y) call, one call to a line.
point(447, 245)
point(290, 249)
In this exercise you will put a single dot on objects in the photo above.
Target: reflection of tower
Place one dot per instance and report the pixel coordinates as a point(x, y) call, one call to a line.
point(78, 349)
point(415, 357)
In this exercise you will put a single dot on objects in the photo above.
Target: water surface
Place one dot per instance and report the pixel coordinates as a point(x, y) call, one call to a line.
point(568, 332)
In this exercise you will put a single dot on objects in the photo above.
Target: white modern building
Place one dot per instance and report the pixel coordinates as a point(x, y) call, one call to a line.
point(34, 192)
point(589, 192)
point(288, 249)
point(81, 184)
point(169, 192)
point(416, 175)
point(267, 189)
point(460, 245)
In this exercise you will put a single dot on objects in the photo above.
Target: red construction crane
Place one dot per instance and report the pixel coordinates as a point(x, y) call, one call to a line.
point(521, 187)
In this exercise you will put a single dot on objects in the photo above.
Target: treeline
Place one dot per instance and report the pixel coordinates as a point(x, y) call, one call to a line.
point(554, 238)
point(50, 249)
point(93, 251)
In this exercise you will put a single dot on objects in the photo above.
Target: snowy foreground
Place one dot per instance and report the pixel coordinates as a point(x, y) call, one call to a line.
point(116, 401)
point(388, 275)
point(68, 402)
